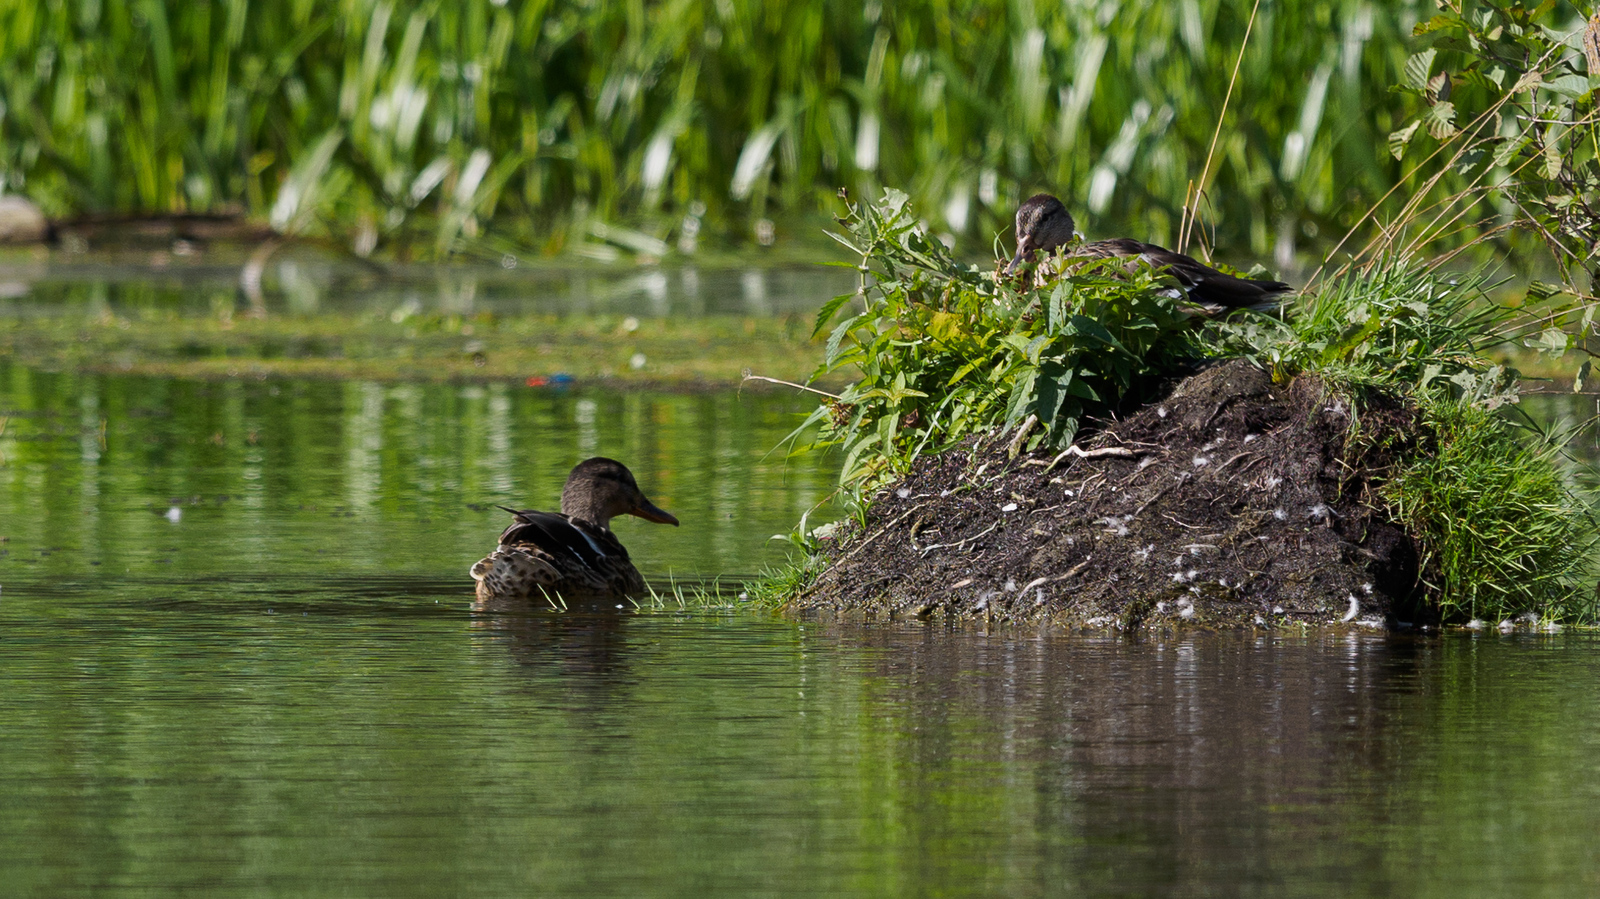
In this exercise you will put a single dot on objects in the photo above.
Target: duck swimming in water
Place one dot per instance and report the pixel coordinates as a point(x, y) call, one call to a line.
point(1043, 223)
point(572, 553)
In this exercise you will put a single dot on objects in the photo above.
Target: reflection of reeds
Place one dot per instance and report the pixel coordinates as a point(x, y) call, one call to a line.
point(426, 121)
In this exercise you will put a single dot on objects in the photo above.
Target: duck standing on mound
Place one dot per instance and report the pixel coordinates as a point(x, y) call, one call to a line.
point(572, 553)
point(1043, 223)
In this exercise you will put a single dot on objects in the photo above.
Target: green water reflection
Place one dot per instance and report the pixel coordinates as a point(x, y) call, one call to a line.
point(301, 283)
point(352, 744)
point(107, 475)
point(279, 688)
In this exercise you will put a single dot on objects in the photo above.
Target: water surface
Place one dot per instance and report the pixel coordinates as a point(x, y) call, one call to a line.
point(238, 658)
point(107, 476)
point(352, 740)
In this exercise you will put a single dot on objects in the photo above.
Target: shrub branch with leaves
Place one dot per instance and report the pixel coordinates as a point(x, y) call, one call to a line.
point(1507, 93)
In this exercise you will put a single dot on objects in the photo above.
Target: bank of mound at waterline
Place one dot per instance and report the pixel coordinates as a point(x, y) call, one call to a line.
point(1230, 501)
point(1089, 447)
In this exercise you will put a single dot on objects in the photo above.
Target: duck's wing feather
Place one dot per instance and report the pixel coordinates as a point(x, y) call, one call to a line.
point(1203, 283)
point(560, 536)
point(1108, 249)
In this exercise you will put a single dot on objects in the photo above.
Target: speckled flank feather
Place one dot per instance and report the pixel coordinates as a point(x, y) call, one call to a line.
point(573, 553)
point(526, 571)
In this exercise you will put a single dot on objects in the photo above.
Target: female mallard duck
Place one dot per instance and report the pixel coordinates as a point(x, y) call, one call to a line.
point(1044, 224)
point(572, 553)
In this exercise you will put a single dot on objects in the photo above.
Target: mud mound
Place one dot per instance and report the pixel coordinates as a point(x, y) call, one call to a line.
point(1233, 501)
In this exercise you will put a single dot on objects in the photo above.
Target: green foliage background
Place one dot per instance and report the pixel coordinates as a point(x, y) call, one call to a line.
point(530, 124)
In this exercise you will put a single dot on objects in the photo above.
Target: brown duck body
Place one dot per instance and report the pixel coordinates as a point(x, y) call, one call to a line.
point(549, 553)
point(1043, 223)
point(573, 552)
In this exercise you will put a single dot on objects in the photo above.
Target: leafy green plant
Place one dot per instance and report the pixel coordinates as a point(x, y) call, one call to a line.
point(947, 351)
point(775, 586)
point(1500, 532)
point(1506, 102)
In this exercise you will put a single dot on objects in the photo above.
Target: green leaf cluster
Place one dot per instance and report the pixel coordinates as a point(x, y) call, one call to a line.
point(945, 351)
point(1506, 90)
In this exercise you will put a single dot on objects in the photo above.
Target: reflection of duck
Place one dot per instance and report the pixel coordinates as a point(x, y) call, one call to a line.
point(585, 642)
point(574, 552)
point(1044, 224)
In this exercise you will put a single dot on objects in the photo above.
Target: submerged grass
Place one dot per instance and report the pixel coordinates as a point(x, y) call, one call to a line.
point(700, 597)
point(776, 586)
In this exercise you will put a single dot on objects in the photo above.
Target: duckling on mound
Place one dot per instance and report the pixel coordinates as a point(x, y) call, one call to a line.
point(572, 552)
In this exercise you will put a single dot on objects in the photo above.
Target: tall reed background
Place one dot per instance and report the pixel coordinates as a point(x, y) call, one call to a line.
point(497, 126)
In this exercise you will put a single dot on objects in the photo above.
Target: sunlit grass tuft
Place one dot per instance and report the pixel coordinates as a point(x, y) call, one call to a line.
point(776, 587)
point(698, 595)
point(1502, 534)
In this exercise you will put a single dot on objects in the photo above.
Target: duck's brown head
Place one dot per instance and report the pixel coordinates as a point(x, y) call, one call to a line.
point(1042, 224)
point(600, 489)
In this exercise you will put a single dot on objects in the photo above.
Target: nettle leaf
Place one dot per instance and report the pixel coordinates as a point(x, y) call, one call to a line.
point(1434, 24)
point(825, 314)
point(1573, 39)
point(1470, 161)
point(1583, 375)
point(963, 371)
point(1088, 327)
point(1052, 390)
point(1022, 396)
point(1018, 342)
point(1508, 149)
point(1552, 161)
point(1441, 120)
point(1429, 372)
point(945, 326)
point(1399, 139)
point(1418, 67)
point(1060, 302)
point(831, 352)
point(1551, 340)
point(1573, 86)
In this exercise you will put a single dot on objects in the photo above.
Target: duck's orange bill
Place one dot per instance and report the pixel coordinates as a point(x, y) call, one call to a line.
point(650, 512)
